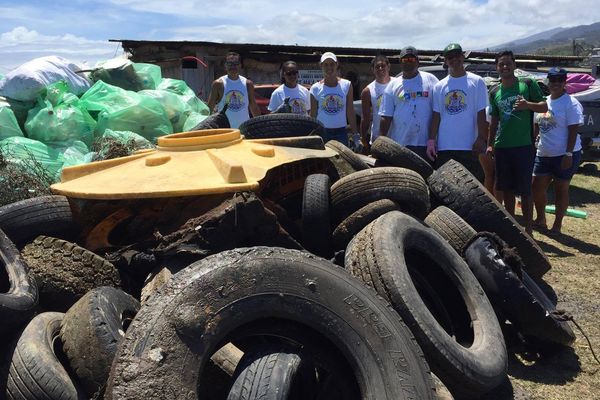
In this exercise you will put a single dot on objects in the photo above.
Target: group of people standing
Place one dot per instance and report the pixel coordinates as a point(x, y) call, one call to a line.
point(493, 134)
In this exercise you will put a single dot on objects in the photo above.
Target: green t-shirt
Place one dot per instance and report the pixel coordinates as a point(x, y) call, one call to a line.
point(515, 127)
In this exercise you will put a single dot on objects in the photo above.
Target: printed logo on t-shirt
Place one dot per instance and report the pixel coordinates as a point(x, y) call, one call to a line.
point(455, 101)
point(412, 95)
point(332, 104)
point(506, 107)
point(298, 106)
point(546, 121)
point(378, 102)
point(235, 100)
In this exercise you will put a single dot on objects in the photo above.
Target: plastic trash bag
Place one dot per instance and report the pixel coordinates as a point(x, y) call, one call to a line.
point(118, 72)
point(114, 144)
point(181, 88)
point(8, 123)
point(149, 74)
point(28, 81)
point(23, 151)
point(175, 107)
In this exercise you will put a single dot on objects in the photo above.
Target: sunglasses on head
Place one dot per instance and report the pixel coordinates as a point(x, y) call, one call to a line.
point(409, 59)
point(290, 73)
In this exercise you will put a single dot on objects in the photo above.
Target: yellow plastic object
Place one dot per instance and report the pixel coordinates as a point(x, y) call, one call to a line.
point(184, 164)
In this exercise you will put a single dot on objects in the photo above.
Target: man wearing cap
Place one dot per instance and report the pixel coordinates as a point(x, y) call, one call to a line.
point(331, 102)
point(458, 124)
point(510, 139)
point(559, 148)
point(234, 90)
point(406, 107)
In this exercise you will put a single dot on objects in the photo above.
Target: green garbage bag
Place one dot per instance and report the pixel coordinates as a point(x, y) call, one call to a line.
point(192, 121)
point(64, 122)
point(33, 155)
point(175, 107)
point(104, 97)
point(181, 88)
point(59, 93)
point(19, 108)
point(150, 74)
point(8, 123)
point(73, 153)
point(118, 72)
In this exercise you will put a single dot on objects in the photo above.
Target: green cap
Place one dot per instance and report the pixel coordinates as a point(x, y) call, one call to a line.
point(452, 47)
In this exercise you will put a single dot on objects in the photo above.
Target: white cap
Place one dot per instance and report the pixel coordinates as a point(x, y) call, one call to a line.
point(327, 55)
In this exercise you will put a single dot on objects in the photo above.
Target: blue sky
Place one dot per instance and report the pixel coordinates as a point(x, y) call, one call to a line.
point(79, 30)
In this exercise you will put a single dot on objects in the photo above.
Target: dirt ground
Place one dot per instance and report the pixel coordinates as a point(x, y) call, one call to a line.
point(572, 372)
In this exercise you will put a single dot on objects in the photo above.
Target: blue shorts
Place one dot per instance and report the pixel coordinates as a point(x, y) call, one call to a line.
point(550, 166)
point(514, 167)
point(338, 134)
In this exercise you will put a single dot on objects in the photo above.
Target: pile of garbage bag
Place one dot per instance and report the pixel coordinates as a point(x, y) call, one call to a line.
point(61, 114)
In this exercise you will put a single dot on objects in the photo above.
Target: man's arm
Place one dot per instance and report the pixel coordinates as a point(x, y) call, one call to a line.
point(492, 134)
point(365, 121)
point(251, 100)
point(522, 104)
point(216, 92)
point(433, 133)
point(314, 106)
point(480, 144)
point(350, 114)
point(567, 161)
point(384, 125)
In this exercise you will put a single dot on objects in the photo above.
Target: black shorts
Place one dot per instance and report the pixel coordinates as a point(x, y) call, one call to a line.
point(514, 169)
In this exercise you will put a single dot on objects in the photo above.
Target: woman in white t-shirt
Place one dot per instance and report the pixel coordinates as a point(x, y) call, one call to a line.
point(559, 148)
point(299, 98)
point(331, 102)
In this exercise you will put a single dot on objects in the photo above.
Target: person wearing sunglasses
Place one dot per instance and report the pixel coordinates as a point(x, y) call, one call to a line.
point(510, 141)
point(406, 107)
point(299, 98)
point(459, 128)
point(234, 90)
point(371, 98)
point(559, 148)
point(331, 102)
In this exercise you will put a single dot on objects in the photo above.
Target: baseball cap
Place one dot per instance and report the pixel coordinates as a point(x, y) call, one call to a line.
point(452, 47)
point(408, 51)
point(327, 55)
point(556, 71)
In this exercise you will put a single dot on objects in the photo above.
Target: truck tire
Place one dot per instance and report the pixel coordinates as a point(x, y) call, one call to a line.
point(403, 186)
point(346, 154)
point(178, 329)
point(396, 155)
point(64, 272)
point(35, 370)
point(451, 227)
point(280, 125)
point(400, 255)
point(514, 294)
point(316, 224)
point(29, 218)
point(91, 331)
point(18, 302)
point(456, 188)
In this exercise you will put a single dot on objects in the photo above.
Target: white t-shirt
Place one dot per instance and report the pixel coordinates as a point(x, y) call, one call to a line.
point(409, 103)
point(554, 125)
point(235, 93)
point(299, 99)
point(331, 103)
point(458, 100)
point(376, 90)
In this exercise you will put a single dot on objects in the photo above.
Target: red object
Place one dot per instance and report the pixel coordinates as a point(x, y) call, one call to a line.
point(262, 95)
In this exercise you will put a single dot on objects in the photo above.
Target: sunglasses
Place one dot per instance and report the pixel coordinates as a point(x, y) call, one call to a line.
point(556, 79)
point(409, 59)
point(232, 63)
point(451, 56)
point(290, 73)
point(381, 66)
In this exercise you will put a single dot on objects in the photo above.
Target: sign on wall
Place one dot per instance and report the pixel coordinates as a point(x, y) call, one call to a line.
point(309, 76)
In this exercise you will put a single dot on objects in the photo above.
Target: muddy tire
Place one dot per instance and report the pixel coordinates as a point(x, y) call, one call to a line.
point(44, 215)
point(64, 272)
point(346, 154)
point(396, 155)
point(176, 331)
point(280, 125)
point(35, 370)
point(437, 296)
point(403, 186)
point(349, 227)
point(17, 303)
point(269, 373)
point(91, 330)
point(451, 227)
point(456, 188)
point(316, 224)
point(518, 299)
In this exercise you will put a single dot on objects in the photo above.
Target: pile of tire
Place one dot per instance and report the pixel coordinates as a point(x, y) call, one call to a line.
point(387, 297)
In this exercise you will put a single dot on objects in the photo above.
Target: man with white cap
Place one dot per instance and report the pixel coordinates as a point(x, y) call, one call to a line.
point(331, 101)
point(406, 107)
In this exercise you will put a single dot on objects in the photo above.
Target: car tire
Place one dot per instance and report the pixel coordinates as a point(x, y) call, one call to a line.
point(316, 224)
point(456, 188)
point(451, 227)
point(346, 154)
point(280, 125)
point(403, 186)
point(91, 330)
point(397, 250)
point(394, 154)
point(177, 330)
